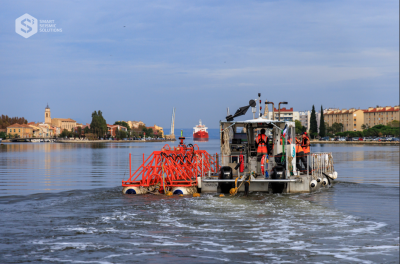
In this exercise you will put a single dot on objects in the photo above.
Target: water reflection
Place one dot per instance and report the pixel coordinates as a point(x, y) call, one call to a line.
point(36, 167)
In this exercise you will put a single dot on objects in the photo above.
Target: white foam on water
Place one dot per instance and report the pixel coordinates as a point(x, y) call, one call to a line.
point(74, 261)
point(147, 253)
point(117, 255)
point(371, 228)
point(196, 212)
point(207, 257)
point(357, 260)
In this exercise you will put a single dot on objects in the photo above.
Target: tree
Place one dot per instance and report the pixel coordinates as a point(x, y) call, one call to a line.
point(313, 123)
point(148, 131)
point(322, 128)
point(65, 133)
point(3, 135)
point(86, 130)
point(6, 121)
point(394, 123)
point(298, 126)
point(337, 127)
point(98, 126)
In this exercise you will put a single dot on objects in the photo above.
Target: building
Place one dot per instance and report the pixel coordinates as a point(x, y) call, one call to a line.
point(285, 114)
point(352, 119)
point(157, 130)
point(380, 115)
point(112, 129)
point(62, 123)
point(23, 131)
point(135, 124)
point(304, 118)
point(47, 115)
point(42, 130)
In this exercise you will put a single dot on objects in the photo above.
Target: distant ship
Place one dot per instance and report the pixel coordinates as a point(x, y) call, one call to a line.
point(200, 132)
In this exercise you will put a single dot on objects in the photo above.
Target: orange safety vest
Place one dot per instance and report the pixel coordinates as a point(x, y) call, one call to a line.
point(306, 148)
point(298, 146)
point(262, 143)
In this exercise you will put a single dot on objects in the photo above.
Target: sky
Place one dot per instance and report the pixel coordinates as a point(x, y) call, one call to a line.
point(136, 60)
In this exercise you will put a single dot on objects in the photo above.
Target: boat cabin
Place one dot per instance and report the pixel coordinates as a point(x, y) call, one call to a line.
point(238, 139)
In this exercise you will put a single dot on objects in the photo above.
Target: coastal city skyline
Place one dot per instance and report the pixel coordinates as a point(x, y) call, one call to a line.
point(135, 65)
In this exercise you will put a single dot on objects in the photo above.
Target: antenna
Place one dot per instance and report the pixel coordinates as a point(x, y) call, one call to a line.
point(259, 103)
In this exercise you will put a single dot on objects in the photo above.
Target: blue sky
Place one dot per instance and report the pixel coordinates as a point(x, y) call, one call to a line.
point(135, 60)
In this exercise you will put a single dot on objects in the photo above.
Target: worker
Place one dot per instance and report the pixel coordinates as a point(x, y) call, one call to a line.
point(305, 144)
point(262, 148)
point(299, 155)
point(262, 143)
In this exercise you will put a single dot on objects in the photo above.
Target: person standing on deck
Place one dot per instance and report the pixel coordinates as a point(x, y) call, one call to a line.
point(262, 143)
point(299, 155)
point(262, 148)
point(305, 144)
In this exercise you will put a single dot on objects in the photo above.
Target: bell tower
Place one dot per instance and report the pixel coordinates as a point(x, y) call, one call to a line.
point(47, 115)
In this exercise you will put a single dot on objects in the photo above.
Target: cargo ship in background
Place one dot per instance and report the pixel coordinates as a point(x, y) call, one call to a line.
point(200, 132)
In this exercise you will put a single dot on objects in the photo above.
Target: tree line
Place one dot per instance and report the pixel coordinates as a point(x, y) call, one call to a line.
point(6, 121)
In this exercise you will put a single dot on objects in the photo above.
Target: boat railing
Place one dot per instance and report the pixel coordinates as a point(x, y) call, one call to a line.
point(321, 162)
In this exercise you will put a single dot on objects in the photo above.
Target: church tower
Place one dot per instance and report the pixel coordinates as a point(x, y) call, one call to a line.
point(47, 115)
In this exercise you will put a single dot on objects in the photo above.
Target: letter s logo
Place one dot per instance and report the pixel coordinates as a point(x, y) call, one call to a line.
point(26, 26)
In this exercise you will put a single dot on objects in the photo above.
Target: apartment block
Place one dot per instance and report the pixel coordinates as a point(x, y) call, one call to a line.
point(380, 115)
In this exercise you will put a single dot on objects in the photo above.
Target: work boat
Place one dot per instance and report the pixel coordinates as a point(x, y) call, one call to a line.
point(273, 172)
point(240, 167)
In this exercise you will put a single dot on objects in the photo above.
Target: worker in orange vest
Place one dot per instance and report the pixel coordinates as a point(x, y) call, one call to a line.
point(262, 147)
point(262, 143)
point(305, 145)
point(299, 155)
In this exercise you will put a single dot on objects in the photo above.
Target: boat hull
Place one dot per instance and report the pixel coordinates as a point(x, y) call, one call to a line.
point(201, 135)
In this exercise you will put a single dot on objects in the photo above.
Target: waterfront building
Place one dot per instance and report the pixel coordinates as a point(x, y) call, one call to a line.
point(380, 115)
point(157, 130)
point(135, 124)
point(62, 123)
point(351, 119)
point(23, 131)
point(36, 131)
point(286, 114)
point(112, 129)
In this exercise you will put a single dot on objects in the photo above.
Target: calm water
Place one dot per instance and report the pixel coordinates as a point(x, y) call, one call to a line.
point(62, 203)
